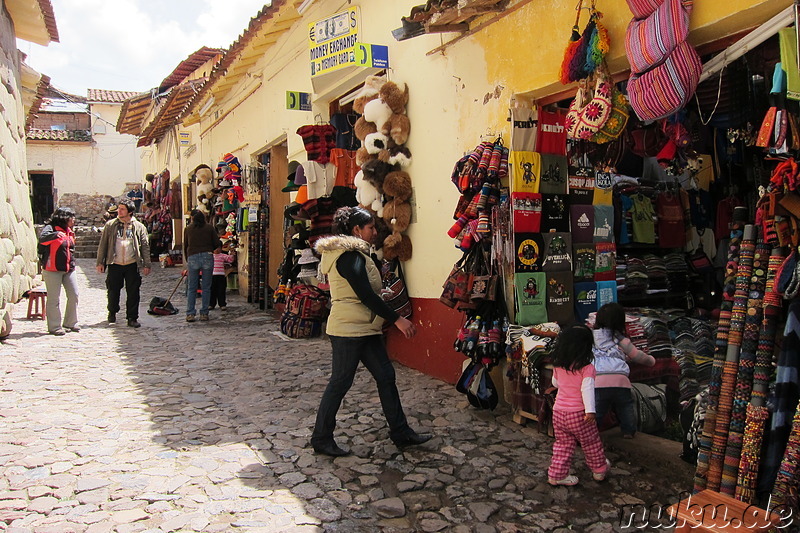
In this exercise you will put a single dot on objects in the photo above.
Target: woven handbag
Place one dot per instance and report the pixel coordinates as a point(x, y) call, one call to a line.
point(666, 88)
point(584, 119)
point(643, 8)
point(648, 42)
point(617, 119)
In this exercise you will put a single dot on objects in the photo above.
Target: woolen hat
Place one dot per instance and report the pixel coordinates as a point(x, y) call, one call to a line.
point(307, 257)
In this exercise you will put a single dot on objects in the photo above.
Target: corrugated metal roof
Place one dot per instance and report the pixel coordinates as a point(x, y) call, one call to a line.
point(262, 32)
point(189, 65)
point(60, 105)
point(103, 95)
point(59, 135)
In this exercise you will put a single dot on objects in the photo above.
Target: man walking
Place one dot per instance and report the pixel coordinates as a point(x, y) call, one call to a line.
point(125, 251)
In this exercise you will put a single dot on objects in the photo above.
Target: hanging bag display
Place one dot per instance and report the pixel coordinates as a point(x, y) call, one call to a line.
point(395, 291)
point(585, 51)
point(649, 41)
point(617, 119)
point(664, 89)
point(585, 118)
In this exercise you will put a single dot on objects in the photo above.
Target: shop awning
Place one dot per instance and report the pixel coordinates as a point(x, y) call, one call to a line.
point(170, 110)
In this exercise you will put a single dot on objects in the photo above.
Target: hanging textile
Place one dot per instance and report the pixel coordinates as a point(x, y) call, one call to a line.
point(747, 361)
point(721, 346)
point(785, 490)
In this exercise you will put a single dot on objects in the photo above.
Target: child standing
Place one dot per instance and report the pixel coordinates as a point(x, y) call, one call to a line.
point(574, 412)
point(219, 283)
point(612, 352)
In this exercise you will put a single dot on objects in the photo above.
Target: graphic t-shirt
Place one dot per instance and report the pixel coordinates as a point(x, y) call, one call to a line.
point(582, 222)
point(605, 267)
point(584, 262)
point(527, 209)
point(531, 298)
point(624, 231)
point(671, 231)
point(603, 188)
point(644, 229)
point(557, 252)
point(524, 128)
point(529, 248)
point(581, 189)
point(606, 293)
point(525, 169)
point(585, 299)
point(560, 303)
point(554, 174)
point(555, 213)
point(603, 223)
point(552, 136)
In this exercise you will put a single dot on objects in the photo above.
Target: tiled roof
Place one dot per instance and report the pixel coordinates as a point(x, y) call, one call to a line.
point(102, 95)
point(41, 88)
point(189, 65)
point(262, 32)
point(59, 135)
point(49, 19)
point(171, 108)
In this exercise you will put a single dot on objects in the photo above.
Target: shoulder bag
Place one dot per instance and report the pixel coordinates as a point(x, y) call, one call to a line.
point(395, 291)
point(648, 42)
point(584, 119)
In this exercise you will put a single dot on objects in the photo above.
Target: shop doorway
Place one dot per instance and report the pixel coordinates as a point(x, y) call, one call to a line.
point(42, 197)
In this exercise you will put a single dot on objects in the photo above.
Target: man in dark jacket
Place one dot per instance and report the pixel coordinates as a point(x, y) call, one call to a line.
point(125, 252)
point(57, 255)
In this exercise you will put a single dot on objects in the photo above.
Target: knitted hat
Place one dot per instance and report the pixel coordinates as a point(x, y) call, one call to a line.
point(290, 183)
point(307, 257)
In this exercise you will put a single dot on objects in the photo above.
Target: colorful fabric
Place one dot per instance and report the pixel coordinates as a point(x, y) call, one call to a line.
point(527, 212)
point(581, 189)
point(606, 263)
point(529, 252)
point(788, 42)
point(319, 140)
point(531, 298)
point(751, 453)
point(526, 170)
point(588, 113)
point(552, 135)
point(786, 484)
point(649, 41)
point(585, 261)
point(570, 429)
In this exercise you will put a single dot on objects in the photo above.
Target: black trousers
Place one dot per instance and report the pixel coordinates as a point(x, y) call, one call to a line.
point(219, 285)
point(347, 353)
point(116, 277)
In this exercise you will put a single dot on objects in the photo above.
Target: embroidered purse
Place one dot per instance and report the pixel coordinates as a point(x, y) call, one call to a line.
point(666, 88)
point(395, 291)
point(584, 119)
point(648, 42)
point(617, 119)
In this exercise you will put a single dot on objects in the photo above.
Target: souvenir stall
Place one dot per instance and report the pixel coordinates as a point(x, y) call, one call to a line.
point(681, 208)
point(156, 214)
point(357, 159)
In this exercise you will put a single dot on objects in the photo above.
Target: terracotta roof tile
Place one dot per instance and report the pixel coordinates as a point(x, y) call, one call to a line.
point(103, 95)
point(59, 135)
point(49, 19)
point(189, 65)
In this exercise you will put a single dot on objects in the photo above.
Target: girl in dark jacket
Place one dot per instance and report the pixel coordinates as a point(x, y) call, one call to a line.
point(57, 253)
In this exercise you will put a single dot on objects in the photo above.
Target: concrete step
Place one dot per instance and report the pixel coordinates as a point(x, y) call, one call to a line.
point(86, 255)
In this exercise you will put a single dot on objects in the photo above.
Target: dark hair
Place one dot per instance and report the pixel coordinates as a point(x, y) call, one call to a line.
point(611, 316)
point(129, 205)
point(347, 218)
point(198, 219)
point(61, 216)
point(573, 349)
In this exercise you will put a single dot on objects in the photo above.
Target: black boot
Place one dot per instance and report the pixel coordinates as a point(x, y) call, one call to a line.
point(412, 438)
point(330, 448)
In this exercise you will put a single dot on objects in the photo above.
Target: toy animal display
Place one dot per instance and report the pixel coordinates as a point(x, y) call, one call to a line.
point(382, 185)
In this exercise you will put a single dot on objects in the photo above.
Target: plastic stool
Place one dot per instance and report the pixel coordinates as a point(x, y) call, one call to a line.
point(37, 307)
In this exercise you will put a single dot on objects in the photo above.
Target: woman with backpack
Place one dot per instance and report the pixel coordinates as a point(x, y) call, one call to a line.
point(57, 257)
point(355, 329)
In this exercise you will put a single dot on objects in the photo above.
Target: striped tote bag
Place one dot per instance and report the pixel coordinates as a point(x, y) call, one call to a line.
point(648, 42)
point(664, 89)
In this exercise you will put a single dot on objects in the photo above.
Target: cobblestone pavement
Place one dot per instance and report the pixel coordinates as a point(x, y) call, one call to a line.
point(205, 427)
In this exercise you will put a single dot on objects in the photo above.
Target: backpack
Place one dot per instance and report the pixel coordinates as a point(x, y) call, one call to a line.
point(650, 406)
point(308, 302)
point(299, 328)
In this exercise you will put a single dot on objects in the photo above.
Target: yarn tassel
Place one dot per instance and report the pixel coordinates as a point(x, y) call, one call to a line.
point(599, 45)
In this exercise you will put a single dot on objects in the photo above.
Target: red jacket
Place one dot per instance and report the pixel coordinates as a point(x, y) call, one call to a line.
point(57, 249)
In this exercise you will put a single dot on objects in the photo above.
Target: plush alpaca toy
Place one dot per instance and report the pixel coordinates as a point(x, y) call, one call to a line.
point(397, 126)
point(204, 175)
point(375, 172)
point(369, 91)
point(366, 194)
point(395, 155)
point(397, 215)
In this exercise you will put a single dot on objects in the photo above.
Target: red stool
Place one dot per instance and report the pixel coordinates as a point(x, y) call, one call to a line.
point(37, 306)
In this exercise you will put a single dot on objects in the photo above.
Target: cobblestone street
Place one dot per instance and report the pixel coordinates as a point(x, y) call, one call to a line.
point(205, 427)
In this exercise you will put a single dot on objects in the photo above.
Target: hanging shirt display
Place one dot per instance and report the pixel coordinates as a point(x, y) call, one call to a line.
point(346, 167)
point(585, 299)
point(529, 254)
point(625, 230)
point(584, 262)
point(603, 188)
point(606, 293)
point(552, 136)
point(345, 130)
point(555, 213)
point(525, 169)
point(557, 252)
point(318, 140)
point(531, 298)
point(644, 228)
point(554, 174)
point(524, 128)
point(671, 229)
point(603, 223)
point(320, 178)
point(582, 222)
point(605, 267)
point(560, 304)
point(581, 189)
point(527, 212)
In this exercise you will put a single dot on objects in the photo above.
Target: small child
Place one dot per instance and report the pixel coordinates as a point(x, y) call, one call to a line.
point(573, 412)
point(219, 283)
point(612, 352)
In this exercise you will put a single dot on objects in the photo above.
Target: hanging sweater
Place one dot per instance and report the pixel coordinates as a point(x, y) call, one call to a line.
point(611, 356)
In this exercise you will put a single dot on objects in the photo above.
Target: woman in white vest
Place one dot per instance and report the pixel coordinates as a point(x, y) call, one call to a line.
point(354, 327)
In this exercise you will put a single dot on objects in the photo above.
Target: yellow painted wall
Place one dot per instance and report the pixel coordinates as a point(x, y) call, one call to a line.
point(456, 96)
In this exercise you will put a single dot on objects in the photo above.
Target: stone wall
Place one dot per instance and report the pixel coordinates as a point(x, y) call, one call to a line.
point(89, 207)
point(18, 258)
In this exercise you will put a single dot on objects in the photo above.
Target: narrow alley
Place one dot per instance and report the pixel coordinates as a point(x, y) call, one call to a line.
point(205, 427)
